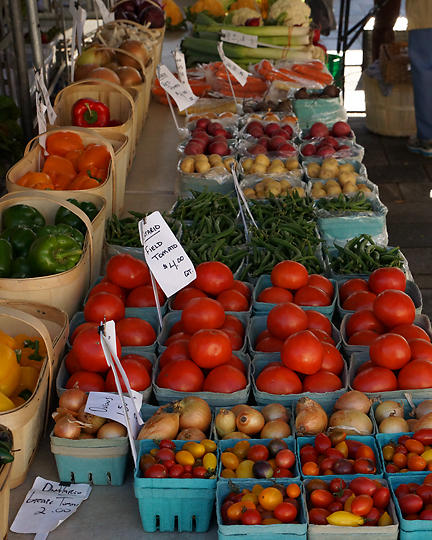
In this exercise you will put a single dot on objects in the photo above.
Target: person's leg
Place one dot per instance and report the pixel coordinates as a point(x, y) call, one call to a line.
point(420, 43)
point(384, 22)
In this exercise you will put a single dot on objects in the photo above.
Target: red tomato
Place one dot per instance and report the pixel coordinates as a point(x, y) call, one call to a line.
point(285, 458)
point(269, 344)
point(311, 296)
point(138, 376)
point(322, 336)
point(350, 286)
point(156, 470)
point(285, 512)
point(410, 503)
point(233, 323)
point(393, 308)
point(178, 350)
point(127, 271)
point(176, 328)
point(317, 516)
point(289, 275)
point(235, 339)
point(364, 337)
point(420, 350)
point(210, 348)
point(107, 286)
point(86, 381)
point(372, 517)
point(264, 334)
point(179, 336)
point(387, 278)
point(233, 300)
point(241, 287)
point(362, 505)
point(359, 300)
point(318, 321)
point(321, 498)
point(275, 295)
point(258, 452)
point(390, 350)
point(202, 313)
point(143, 296)
point(381, 497)
point(141, 359)
point(363, 320)
point(224, 379)
point(182, 297)
point(363, 486)
point(416, 374)
point(71, 362)
point(286, 319)
point(88, 349)
point(237, 363)
point(332, 359)
point(322, 381)
point(317, 280)
point(375, 379)
point(425, 492)
point(251, 517)
point(135, 332)
point(103, 306)
point(302, 352)
point(337, 484)
point(213, 277)
point(278, 380)
point(80, 328)
point(410, 331)
point(181, 375)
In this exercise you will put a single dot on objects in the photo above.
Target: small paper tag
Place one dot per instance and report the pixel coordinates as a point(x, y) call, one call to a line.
point(109, 405)
point(106, 15)
point(236, 71)
point(231, 36)
point(110, 334)
point(81, 19)
point(46, 505)
point(41, 86)
point(183, 96)
point(41, 119)
point(164, 255)
point(181, 69)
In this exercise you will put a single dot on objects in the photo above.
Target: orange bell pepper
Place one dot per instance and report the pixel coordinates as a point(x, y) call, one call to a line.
point(7, 340)
point(31, 351)
point(36, 180)
point(73, 156)
point(60, 170)
point(84, 181)
point(94, 156)
point(62, 142)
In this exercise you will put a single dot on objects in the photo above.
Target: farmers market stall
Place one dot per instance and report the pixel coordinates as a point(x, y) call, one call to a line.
point(280, 361)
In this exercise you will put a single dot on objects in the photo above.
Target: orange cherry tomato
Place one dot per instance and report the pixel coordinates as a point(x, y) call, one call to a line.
point(62, 142)
point(293, 491)
point(270, 497)
point(414, 446)
point(310, 468)
point(416, 463)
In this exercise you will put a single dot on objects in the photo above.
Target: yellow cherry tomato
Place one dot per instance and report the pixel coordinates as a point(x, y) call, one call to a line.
point(210, 446)
point(344, 519)
point(427, 455)
point(183, 457)
point(257, 489)
point(241, 449)
point(230, 460)
point(348, 503)
point(228, 473)
point(196, 449)
point(252, 497)
point(385, 520)
point(209, 461)
point(244, 470)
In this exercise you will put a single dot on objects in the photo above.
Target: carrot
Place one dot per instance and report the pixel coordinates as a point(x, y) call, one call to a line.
point(310, 73)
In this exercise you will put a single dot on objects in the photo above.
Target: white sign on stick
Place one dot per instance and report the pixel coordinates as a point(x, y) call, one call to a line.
point(231, 36)
point(106, 15)
point(182, 95)
point(108, 405)
point(236, 71)
point(179, 58)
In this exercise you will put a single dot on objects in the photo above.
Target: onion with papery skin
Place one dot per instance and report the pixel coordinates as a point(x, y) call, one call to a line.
point(97, 55)
point(194, 413)
point(111, 430)
point(161, 425)
point(67, 428)
point(72, 399)
point(86, 436)
point(311, 418)
point(353, 400)
point(275, 429)
point(423, 408)
point(129, 76)
point(225, 422)
point(353, 422)
point(250, 422)
point(388, 408)
point(239, 409)
point(105, 74)
point(425, 422)
point(191, 434)
point(393, 424)
point(235, 435)
point(135, 48)
point(412, 424)
point(275, 411)
point(94, 422)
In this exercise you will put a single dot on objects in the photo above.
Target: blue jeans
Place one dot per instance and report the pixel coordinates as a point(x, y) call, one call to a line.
point(420, 53)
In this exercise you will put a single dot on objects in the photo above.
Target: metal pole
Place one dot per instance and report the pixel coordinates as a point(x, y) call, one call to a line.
point(35, 36)
point(23, 83)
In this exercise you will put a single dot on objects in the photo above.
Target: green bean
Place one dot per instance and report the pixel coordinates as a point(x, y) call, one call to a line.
point(343, 204)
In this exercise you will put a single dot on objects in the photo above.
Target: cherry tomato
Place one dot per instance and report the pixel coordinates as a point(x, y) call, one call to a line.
point(317, 516)
point(321, 498)
point(251, 517)
point(363, 486)
point(362, 505)
point(410, 503)
point(381, 497)
point(285, 512)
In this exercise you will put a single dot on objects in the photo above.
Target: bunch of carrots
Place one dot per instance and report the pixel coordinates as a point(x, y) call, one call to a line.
point(313, 70)
point(69, 165)
point(254, 87)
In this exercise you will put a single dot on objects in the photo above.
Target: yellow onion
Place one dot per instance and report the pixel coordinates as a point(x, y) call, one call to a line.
point(275, 429)
point(86, 436)
point(423, 408)
point(161, 425)
point(95, 55)
point(67, 428)
point(250, 422)
point(412, 424)
point(194, 413)
point(72, 399)
point(353, 422)
point(235, 435)
point(225, 422)
point(129, 76)
point(311, 418)
point(353, 400)
point(191, 434)
point(93, 422)
point(105, 74)
point(275, 411)
point(425, 422)
point(388, 408)
point(137, 49)
point(238, 409)
point(111, 430)
point(393, 424)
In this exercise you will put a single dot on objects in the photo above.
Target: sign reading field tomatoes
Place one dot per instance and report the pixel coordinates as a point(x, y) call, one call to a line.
point(165, 256)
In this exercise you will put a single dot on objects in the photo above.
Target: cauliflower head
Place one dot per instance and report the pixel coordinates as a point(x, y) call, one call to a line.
point(291, 12)
point(240, 16)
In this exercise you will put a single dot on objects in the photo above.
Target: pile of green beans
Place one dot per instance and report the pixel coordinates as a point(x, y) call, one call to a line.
point(203, 204)
point(362, 255)
point(124, 231)
point(341, 204)
point(292, 207)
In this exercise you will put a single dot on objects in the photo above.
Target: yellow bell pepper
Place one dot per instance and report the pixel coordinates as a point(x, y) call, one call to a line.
point(344, 519)
point(17, 400)
point(9, 370)
point(385, 520)
point(28, 379)
point(7, 340)
point(212, 7)
point(239, 4)
point(173, 13)
point(6, 404)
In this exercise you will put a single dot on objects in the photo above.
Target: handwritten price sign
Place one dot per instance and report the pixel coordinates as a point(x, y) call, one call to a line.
point(236, 71)
point(181, 94)
point(231, 36)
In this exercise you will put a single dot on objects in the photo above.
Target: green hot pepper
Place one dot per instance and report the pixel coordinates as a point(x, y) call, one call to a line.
point(64, 215)
point(22, 214)
point(62, 230)
point(5, 258)
point(21, 268)
point(21, 239)
point(53, 254)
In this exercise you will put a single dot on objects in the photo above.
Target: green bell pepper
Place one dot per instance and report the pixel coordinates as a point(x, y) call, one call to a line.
point(22, 214)
point(21, 238)
point(64, 215)
point(5, 258)
point(53, 254)
point(62, 230)
point(21, 268)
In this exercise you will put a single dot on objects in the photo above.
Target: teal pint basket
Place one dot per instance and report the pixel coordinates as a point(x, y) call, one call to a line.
point(101, 462)
point(170, 504)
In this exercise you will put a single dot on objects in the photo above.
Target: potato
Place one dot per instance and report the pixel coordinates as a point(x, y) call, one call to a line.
point(332, 191)
point(347, 178)
point(299, 190)
point(262, 159)
point(276, 169)
point(227, 163)
point(318, 193)
point(317, 185)
point(330, 162)
point(247, 163)
point(313, 170)
point(202, 166)
point(285, 184)
point(215, 160)
point(249, 193)
point(258, 168)
point(187, 165)
point(277, 162)
point(331, 183)
point(346, 167)
point(364, 188)
point(267, 180)
point(200, 157)
point(260, 187)
point(291, 164)
point(349, 188)
point(274, 187)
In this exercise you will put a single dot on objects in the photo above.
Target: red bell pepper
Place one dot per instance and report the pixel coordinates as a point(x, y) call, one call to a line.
point(88, 112)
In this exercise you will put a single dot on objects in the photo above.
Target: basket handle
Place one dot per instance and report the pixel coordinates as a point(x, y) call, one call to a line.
point(117, 50)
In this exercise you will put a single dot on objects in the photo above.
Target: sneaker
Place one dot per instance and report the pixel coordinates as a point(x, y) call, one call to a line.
point(418, 146)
